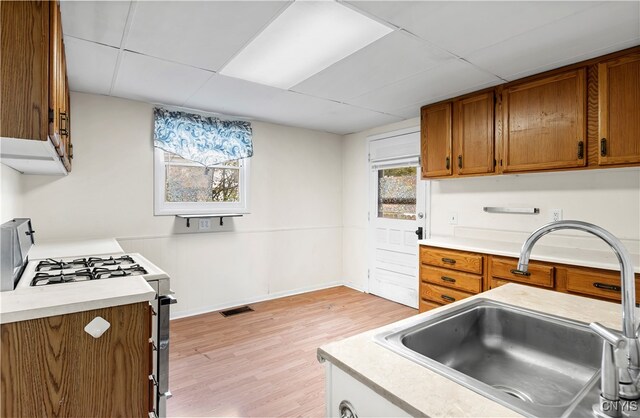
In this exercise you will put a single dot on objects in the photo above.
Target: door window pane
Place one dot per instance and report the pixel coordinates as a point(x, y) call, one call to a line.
point(397, 193)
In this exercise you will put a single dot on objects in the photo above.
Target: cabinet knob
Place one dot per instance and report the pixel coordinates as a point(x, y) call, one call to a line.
point(97, 327)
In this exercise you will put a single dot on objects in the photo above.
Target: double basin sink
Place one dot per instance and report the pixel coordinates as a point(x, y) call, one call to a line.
point(536, 364)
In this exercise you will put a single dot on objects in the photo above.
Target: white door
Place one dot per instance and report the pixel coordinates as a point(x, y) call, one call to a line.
point(397, 210)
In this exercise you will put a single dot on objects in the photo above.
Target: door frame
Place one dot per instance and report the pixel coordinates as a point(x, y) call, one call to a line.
point(371, 204)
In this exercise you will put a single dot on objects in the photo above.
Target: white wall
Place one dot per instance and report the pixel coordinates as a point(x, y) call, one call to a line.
point(11, 194)
point(290, 242)
point(609, 198)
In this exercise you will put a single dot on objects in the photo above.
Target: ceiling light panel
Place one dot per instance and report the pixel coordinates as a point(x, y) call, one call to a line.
point(306, 38)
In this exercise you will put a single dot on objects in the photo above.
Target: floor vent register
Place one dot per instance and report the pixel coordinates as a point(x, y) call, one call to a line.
point(236, 311)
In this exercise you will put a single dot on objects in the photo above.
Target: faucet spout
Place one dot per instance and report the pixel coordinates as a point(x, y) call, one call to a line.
point(626, 269)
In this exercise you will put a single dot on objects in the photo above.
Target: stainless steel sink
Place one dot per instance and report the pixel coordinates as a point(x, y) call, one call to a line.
point(536, 364)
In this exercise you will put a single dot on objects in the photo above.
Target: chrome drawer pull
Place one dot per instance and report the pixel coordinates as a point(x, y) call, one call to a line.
point(607, 286)
point(520, 272)
point(448, 260)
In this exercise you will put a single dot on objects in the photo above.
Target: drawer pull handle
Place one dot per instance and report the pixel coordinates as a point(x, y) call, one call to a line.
point(448, 298)
point(581, 150)
point(607, 286)
point(448, 260)
point(520, 272)
point(448, 279)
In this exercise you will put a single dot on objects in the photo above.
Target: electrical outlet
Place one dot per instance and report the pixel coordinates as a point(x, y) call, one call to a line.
point(204, 224)
point(453, 218)
point(556, 215)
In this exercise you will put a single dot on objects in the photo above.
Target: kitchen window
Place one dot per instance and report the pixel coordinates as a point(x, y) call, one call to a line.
point(184, 187)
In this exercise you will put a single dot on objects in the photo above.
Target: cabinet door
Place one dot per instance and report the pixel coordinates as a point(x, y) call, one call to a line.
point(24, 73)
point(51, 367)
point(474, 134)
point(55, 70)
point(544, 123)
point(619, 101)
point(436, 140)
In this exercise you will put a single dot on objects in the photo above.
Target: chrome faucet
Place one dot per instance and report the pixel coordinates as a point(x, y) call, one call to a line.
point(620, 354)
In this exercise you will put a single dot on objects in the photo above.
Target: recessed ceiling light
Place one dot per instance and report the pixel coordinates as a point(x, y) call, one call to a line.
point(306, 38)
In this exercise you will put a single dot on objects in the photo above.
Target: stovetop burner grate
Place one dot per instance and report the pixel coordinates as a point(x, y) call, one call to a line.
point(61, 277)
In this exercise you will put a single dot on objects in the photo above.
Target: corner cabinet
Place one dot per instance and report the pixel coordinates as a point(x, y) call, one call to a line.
point(619, 108)
point(583, 116)
point(545, 123)
point(34, 92)
point(51, 367)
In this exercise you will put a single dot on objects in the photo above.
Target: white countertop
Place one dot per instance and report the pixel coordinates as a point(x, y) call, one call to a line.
point(70, 249)
point(43, 301)
point(422, 392)
point(562, 255)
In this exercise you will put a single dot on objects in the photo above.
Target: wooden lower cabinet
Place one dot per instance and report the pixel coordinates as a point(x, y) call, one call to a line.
point(52, 367)
point(439, 286)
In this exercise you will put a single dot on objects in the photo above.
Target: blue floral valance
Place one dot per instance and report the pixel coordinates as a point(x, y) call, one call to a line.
point(203, 139)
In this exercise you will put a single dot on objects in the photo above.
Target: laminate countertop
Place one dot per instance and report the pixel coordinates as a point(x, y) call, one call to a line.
point(606, 260)
point(43, 301)
point(422, 392)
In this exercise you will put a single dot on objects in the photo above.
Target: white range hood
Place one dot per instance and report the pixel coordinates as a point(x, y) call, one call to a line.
point(31, 156)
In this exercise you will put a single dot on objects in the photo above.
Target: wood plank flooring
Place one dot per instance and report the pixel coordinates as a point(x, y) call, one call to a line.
point(263, 363)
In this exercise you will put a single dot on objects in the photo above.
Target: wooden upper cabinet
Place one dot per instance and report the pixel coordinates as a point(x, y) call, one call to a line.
point(619, 102)
point(474, 138)
point(436, 140)
point(24, 73)
point(544, 123)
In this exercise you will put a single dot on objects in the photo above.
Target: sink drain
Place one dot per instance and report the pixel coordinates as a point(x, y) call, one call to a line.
point(514, 392)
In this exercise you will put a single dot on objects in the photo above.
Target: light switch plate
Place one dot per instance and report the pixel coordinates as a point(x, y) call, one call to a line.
point(453, 218)
point(97, 327)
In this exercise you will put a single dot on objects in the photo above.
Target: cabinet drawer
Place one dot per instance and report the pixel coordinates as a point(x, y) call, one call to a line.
point(602, 284)
point(441, 294)
point(449, 278)
point(539, 274)
point(451, 259)
point(427, 305)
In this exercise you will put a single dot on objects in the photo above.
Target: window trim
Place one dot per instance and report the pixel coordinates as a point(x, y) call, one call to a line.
point(163, 208)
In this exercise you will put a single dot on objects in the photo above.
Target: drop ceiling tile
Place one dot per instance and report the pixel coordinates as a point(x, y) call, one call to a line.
point(597, 31)
point(90, 66)
point(390, 59)
point(204, 34)
point(447, 80)
point(344, 119)
point(153, 80)
point(235, 97)
point(465, 26)
point(232, 96)
point(97, 21)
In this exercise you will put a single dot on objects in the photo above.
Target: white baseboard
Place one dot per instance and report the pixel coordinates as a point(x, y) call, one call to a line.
point(256, 299)
point(354, 287)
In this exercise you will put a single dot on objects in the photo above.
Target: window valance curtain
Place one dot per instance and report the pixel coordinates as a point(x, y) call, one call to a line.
point(205, 140)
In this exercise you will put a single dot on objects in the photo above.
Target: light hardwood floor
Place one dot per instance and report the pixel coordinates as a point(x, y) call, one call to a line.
point(263, 363)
